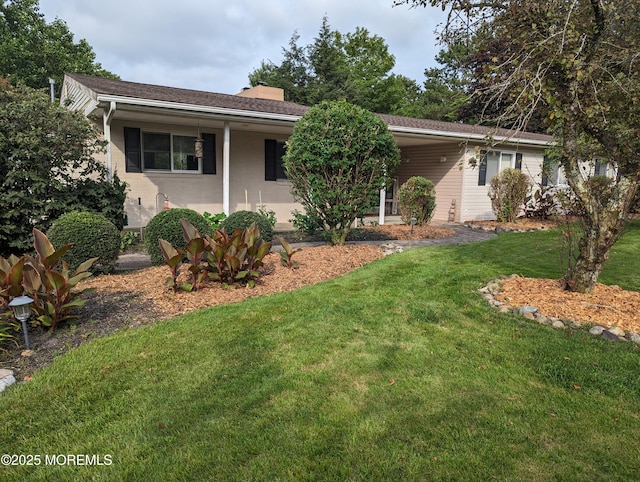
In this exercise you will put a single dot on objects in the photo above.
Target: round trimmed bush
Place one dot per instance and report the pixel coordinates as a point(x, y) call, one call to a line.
point(93, 236)
point(166, 225)
point(244, 219)
point(417, 199)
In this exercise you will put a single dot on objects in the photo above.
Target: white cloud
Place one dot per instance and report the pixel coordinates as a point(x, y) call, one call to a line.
point(213, 45)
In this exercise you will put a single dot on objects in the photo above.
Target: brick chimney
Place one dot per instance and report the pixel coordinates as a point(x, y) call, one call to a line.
point(263, 92)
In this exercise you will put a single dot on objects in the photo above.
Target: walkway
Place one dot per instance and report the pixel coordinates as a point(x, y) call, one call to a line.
point(462, 235)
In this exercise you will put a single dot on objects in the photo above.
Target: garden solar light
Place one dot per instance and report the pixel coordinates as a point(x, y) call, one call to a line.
point(21, 306)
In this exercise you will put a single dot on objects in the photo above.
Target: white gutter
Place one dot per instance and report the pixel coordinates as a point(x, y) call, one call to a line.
point(289, 118)
point(242, 114)
point(107, 117)
point(417, 132)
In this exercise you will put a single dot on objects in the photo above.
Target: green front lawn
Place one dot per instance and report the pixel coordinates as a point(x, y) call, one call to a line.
point(398, 371)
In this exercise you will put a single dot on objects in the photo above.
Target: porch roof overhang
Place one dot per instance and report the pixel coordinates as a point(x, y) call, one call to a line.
point(96, 96)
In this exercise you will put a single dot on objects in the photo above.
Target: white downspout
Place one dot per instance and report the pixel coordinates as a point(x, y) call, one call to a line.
point(383, 201)
point(225, 170)
point(107, 118)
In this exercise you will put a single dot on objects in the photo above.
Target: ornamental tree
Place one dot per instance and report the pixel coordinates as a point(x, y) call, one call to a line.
point(47, 167)
point(573, 64)
point(338, 159)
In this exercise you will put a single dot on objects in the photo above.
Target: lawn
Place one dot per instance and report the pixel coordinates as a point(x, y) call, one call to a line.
point(397, 371)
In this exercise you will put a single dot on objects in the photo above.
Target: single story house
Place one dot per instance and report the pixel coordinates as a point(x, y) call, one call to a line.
point(151, 131)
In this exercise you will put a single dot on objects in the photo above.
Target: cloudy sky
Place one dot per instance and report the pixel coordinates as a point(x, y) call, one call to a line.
point(213, 45)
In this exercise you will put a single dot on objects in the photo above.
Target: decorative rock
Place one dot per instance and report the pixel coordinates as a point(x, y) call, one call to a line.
point(6, 379)
point(610, 336)
point(634, 337)
point(616, 331)
point(543, 320)
point(528, 309)
point(531, 313)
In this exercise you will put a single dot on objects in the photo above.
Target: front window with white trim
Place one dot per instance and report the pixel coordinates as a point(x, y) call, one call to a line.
point(167, 152)
point(493, 162)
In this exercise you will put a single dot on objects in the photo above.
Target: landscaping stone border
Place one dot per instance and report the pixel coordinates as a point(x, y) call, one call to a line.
point(491, 290)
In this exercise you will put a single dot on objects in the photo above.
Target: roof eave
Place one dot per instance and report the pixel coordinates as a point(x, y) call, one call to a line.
point(232, 114)
point(465, 136)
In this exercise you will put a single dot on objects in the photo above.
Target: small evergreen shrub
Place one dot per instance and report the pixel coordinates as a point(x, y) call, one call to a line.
point(244, 219)
point(417, 199)
point(166, 225)
point(92, 234)
point(508, 192)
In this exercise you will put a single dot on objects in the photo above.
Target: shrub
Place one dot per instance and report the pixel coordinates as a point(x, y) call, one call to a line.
point(166, 225)
point(53, 291)
point(243, 219)
point(303, 223)
point(214, 220)
point(417, 199)
point(338, 158)
point(270, 214)
point(92, 235)
point(508, 192)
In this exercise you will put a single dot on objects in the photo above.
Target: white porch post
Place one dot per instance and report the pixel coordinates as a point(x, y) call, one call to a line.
point(225, 169)
point(383, 201)
point(107, 117)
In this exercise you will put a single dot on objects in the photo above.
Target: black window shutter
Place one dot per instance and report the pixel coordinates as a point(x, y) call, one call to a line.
point(482, 175)
point(132, 154)
point(270, 159)
point(519, 161)
point(546, 165)
point(209, 151)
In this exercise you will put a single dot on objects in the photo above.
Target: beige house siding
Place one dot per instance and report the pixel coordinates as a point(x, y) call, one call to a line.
point(440, 164)
point(247, 173)
point(476, 204)
point(202, 192)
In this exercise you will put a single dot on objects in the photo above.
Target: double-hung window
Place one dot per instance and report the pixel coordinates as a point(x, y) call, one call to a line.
point(166, 152)
point(552, 173)
point(492, 162)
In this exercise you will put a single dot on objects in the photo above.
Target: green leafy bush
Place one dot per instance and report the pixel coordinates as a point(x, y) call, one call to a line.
point(508, 192)
point(270, 214)
point(338, 158)
point(92, 235)
point(303, 223)
point(417, 199)
point(214, 220)
point(243, 219)
point(166, 225)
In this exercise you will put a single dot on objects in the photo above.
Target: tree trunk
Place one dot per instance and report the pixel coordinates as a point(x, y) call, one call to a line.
point(603, 224)
point(338, 236)
point(594, 247)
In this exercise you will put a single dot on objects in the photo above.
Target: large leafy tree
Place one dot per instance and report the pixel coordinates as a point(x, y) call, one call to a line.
point(338, 159)
point(355, 67)
point(577, 62)
point(47, 167)
point(32, 51)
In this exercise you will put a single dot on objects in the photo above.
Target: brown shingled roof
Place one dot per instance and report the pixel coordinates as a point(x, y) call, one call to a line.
point(137, 90)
